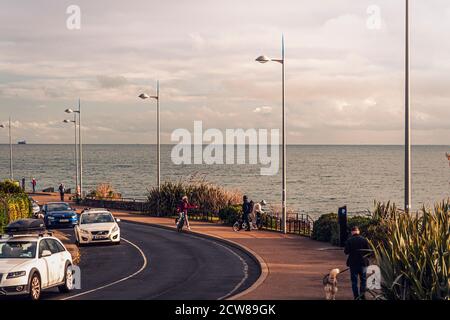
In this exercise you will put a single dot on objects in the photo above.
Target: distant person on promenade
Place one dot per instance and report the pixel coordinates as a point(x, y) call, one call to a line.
point(62, 191)
point(33, 184)
point(23, 184)
point(184, 207)
point(357, 248)
point(246, 211)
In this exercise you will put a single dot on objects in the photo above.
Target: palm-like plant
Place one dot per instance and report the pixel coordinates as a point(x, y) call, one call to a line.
point(414, 258)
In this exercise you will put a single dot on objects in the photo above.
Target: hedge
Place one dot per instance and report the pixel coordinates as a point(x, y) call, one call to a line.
point(326, 228)
point(14, 204)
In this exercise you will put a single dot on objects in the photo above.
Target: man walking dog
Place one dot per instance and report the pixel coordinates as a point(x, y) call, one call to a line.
point(357, 248)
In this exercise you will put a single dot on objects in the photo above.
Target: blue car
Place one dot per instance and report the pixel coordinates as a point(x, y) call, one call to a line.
point(59, 214)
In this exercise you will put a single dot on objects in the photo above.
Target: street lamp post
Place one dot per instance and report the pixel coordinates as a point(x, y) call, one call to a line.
point(11, 171)
point(265, 59)
point(407, 116)
point(74, 121)
point(158, 161)
point(80, 145)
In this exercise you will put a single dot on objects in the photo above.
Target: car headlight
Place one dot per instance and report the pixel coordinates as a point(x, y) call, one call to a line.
point(115, 229)
point(16, 274)
point(84, 231)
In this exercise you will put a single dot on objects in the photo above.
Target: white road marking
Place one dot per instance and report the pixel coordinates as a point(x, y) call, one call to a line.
point(117, 281)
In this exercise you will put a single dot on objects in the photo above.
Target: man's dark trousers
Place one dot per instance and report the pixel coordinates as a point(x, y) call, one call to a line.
point(355, 273)
point(245, 218)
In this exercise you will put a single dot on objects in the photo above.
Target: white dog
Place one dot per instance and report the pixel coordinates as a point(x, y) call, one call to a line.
point(330, 284)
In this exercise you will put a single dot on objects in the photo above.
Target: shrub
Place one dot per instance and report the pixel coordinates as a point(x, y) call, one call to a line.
point(326, 228)
point(104, 191)
point(9, 187)
point(14, 207)
point(415, 260)
point(229, 215)
point(209, 197)
point(322, 228)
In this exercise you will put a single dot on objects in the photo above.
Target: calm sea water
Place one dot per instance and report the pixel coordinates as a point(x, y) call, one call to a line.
point(319, 178)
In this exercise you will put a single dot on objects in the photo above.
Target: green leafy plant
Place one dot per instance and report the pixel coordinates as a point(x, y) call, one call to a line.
point(414, 258)
point(229, 215)
point(323, 227)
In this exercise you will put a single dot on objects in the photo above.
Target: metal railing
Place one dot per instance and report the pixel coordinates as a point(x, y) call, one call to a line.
point(301, 224)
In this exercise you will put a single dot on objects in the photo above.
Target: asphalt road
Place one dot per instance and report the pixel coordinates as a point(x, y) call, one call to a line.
point(154, 263)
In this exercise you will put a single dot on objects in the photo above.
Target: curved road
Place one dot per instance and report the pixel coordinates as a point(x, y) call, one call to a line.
point(166, 264)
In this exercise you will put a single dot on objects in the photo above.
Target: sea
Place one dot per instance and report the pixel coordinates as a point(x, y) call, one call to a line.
point(320, 178)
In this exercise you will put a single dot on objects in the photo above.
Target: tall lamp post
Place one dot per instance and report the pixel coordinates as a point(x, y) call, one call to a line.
point(265, 59)
point(11, 171)
point(407, 116)
point(74, 121)
point(80, 145)
point(158, 162)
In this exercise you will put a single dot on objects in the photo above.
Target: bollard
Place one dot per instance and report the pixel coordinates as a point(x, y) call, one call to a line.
point(342, 221)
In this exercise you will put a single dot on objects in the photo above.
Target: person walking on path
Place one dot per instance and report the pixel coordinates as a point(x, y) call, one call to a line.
point(184, 207)
point(62, 191)
point(23, 184)
point(246, 210)
point(33, 184)
point(357, 248)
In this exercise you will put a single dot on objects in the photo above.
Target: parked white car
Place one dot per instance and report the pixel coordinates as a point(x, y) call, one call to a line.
point(97, 225)
point(32, 263)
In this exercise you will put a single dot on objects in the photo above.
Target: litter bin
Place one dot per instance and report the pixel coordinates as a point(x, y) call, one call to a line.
point(342, 221)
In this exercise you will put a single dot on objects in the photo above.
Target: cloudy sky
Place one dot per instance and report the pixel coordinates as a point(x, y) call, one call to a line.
point(344, 73)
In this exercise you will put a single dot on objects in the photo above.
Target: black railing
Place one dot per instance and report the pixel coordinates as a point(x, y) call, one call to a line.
point(301, 224)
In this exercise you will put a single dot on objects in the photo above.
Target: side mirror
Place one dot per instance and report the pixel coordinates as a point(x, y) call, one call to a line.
point(46, 253)
point(117, 220)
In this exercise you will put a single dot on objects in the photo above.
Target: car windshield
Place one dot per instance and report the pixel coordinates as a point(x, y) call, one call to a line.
point(97, 217)
point(58, 207)
point(17, 249)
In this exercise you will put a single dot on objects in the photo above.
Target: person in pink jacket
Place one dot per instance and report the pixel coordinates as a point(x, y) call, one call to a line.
point(184, 207)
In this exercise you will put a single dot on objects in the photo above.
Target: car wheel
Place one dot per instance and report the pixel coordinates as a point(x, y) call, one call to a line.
point(117, 243)
point(35, 287)
point(68, 280)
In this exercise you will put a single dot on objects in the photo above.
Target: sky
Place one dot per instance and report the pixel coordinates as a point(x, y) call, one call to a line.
point(344, 69)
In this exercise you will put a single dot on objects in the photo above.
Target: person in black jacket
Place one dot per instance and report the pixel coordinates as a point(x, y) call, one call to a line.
point(246, 210)
point(357, 248)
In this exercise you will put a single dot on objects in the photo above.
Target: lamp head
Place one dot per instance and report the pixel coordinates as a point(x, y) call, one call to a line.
point(144, 96)
point(66, 121)
point(262, 59)
point(69, 110)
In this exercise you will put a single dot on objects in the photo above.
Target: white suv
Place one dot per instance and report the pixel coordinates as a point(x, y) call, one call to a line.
point(97, 225)
point(32, 263)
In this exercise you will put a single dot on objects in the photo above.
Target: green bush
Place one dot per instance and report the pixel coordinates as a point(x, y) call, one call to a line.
point(9, 187)
point(323, 227)
point(229, 215)
point(326, 228)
